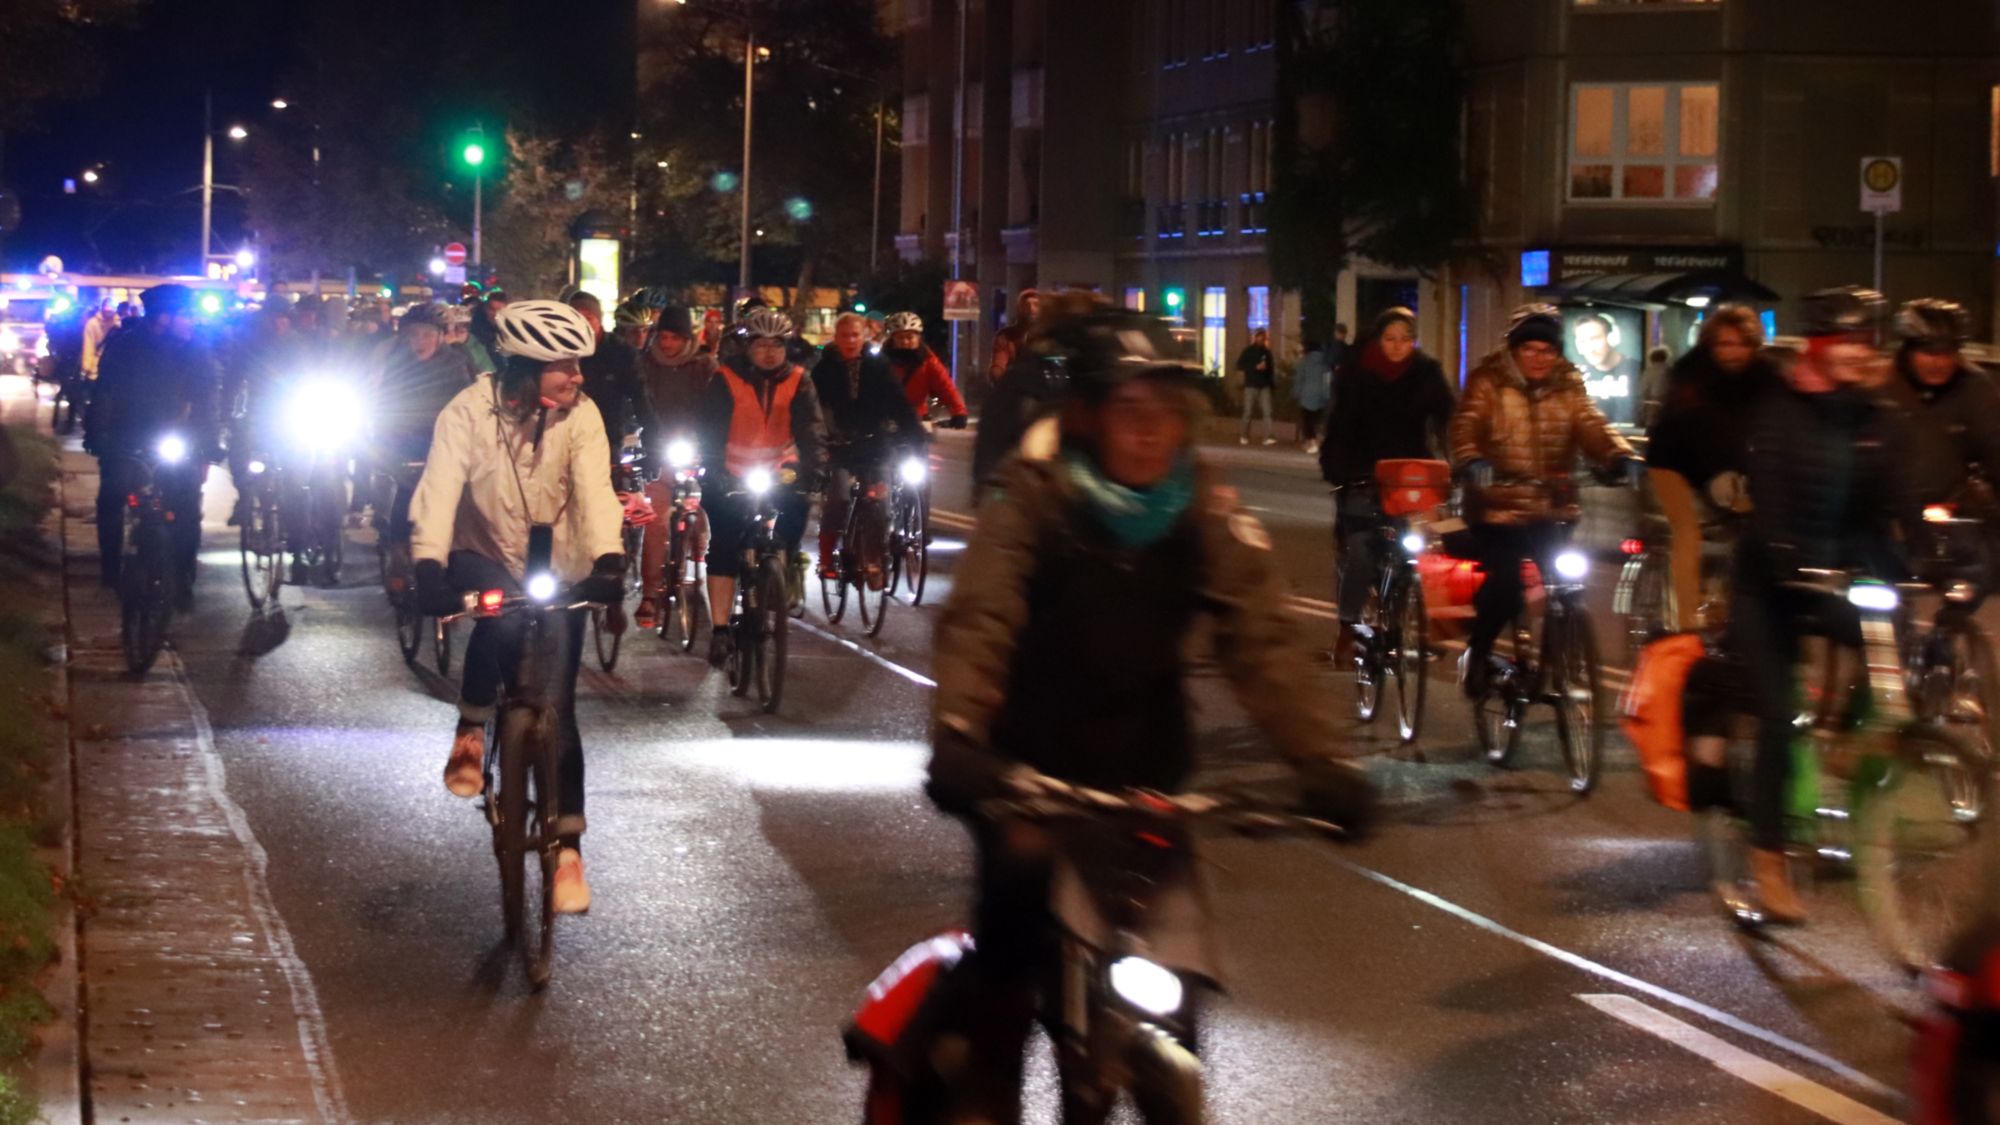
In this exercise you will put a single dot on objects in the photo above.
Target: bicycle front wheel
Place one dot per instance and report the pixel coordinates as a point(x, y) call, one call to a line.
point(1921, 868)
point(768, 668)
point(441, 646)
point(873, 581)
point(606, 639)
point(145, 607)
point(1368, 660)
point(1573, 687)
point(409, 628)
point(913, 559)
point(1409, 661)
point(510, 828)
point(258, 544)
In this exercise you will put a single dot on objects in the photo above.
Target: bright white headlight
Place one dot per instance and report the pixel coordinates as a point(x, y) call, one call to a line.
point(10, 340)
point(1146, 986)
point(914, 470)
point(758, 481)
point(255, 466)
point(1413, 543)
point(172, 449)
point(680, 454)
point(1873, 597)
point(1572, 565)
point(541, 587)
point(324, 414)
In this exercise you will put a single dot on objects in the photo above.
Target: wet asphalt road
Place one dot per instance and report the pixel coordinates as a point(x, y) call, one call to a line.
point(753, 873)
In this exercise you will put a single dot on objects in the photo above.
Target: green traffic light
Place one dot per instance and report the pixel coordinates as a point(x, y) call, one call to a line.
point(475, 154)
point(211, 304)
point(1174, 298)
point(861, 306)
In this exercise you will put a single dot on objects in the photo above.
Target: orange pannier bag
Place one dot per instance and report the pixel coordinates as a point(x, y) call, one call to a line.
point(1408, 485)
point(1650, 714)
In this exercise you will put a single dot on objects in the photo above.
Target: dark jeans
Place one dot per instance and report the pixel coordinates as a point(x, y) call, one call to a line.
point(729, 527)
point(118, 476)
point(1357, 523)
point(493, 654)
point(1501, 549)
point(1309, 417)
point(1766, 622)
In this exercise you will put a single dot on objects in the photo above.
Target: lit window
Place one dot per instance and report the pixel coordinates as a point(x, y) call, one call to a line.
point(1135, 299)
point(1214, 329)
point(1260, 307)
point(1644, 142)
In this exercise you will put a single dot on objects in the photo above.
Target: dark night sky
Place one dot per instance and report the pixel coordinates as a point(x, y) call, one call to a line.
point(562, 63)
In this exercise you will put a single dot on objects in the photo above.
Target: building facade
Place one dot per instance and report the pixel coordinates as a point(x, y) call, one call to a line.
point(1634, 160)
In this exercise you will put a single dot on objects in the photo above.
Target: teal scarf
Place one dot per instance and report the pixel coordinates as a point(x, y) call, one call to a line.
point(1135, 518)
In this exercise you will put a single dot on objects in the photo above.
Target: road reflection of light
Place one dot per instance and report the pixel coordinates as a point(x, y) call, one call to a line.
point(823, 764)
point(946, 546)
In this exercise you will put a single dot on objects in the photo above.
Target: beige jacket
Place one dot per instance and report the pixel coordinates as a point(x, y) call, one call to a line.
point(483, 465)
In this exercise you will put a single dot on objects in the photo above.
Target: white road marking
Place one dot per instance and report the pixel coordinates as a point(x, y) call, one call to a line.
point(1685, 1003)
point(871, 656)
point(1768, 1076)
point(313, 1040)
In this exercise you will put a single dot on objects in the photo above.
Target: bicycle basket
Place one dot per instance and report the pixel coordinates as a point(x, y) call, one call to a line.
point(1408, 485)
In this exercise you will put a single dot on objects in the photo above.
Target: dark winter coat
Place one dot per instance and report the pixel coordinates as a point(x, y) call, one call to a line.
point(1703, 427)
point(1377, 419)
point(151, 383)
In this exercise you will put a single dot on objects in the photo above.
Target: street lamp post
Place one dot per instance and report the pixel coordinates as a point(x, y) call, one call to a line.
point(749, 94)
point(207, 174)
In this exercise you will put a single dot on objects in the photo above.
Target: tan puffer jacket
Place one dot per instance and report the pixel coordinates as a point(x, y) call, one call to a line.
point(1532, 435)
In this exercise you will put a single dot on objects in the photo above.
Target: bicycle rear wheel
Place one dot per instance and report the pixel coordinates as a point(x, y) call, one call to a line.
point(1368, 660)
point(1968, 708)
point(263, 569)
point(914, 557)
point(1647, 600)
point(606, 640)
point(833, 590)
point(1922, 869)
point(409, 628)
point(768, 667)
point(145, 607)
point(1409, 659)
point(871, 532)
point(1573, 687)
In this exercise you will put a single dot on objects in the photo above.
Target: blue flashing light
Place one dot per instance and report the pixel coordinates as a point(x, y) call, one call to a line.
point(1534, 268)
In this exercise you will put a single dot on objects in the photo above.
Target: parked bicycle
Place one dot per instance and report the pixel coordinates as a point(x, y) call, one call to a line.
point(520, 800)
point(760, 626)
point(146, 573)
point(1392, 634)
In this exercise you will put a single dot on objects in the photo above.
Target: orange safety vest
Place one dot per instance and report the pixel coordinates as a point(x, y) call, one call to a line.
point(760, 433)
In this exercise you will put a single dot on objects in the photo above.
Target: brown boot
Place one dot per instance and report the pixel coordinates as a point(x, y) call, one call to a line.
point(462, 773)
point(1774, 888)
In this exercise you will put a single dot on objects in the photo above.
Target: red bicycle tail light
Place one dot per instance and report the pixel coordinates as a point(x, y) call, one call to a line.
point(490, 600)
point(1633, 546)
point(131, 499)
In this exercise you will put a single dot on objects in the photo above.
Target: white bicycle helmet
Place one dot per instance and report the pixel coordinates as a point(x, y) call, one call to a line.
point(903, 322)
point(544, 330)
point(767, 324)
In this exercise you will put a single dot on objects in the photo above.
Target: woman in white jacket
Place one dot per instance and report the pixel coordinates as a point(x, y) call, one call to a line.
point(521, 448)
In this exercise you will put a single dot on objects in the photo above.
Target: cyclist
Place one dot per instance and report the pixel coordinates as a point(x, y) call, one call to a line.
point(1007, 342)
point(1524, 418)
point(1059, 654)
point(414, 378)
point(512, 452)
point(1702, 431)
point(1955, 407)
point(1826, 463)
point(919, 371)
point(762, 413)
point(153, 379)
point(674, 372)
point(1389, 401)
point(611, 376)
point(629, 323)
point(1031, 395)
point(868, 421)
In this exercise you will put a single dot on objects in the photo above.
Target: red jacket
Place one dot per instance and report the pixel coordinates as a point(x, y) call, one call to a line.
point(929, 380)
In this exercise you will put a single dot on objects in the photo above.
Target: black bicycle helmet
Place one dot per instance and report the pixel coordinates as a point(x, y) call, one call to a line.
point(1932, 324)
point(1849, 310)
point(171, 299)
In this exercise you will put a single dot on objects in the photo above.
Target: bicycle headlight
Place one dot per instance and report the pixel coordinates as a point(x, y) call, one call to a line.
point(10, 340)
point(1572, 565)
point(680, 454)
point(542, 587)
point(255, 467)
point(758, 481)
point(1413, 542)
point(1146, 986)
point(1872, 596)
point(913, 470)
point(173, 449)
point(324, 414)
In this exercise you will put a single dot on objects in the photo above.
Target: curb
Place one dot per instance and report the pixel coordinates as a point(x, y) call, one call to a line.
point(56, 1074)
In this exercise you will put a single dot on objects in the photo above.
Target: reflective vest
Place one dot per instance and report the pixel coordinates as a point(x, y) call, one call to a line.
point(760, 431)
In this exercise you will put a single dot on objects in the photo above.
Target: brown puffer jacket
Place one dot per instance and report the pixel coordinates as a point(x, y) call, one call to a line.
point(1532, 435)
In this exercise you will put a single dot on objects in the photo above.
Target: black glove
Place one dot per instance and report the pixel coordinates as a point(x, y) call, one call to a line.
point(606, 584)
point(955, 422)
point(963, 773)
point(1338, 791)
point(435, 597)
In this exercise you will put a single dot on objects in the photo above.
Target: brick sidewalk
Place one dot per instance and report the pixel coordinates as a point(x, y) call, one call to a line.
point(195, 1006)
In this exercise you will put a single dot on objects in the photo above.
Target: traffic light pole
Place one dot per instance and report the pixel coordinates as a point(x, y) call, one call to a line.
point(743, 222)
point(478, 259)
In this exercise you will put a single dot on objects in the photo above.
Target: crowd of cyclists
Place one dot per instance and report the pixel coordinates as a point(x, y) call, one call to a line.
point(1102, 536)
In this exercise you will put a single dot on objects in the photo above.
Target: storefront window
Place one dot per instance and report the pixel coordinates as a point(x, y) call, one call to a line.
point(1214, 329)
point(1135, 299)
point(1652, 142)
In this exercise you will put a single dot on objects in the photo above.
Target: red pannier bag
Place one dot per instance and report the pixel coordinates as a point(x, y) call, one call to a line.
point(1650, 714)
point(1406, 485)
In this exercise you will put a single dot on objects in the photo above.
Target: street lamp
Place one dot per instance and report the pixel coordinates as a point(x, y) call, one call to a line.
point(437, 266)
point(245, 258)
point(236, 133)
point(280, 103)
point(90, 175)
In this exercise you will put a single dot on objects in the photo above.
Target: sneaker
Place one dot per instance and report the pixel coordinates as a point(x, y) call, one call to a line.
point(1244, 440)
point(1312, 448)
point(462, 773)
point(572, 892)
point(1270, 441)
point(718, 647)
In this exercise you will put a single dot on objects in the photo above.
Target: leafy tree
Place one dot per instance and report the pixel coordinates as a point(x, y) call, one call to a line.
point(1367, 142)
point(548, 185)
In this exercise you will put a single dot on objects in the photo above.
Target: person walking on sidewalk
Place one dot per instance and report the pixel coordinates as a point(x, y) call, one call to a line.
point(153, 380)
point(1312, 389)
point(1259, 376)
